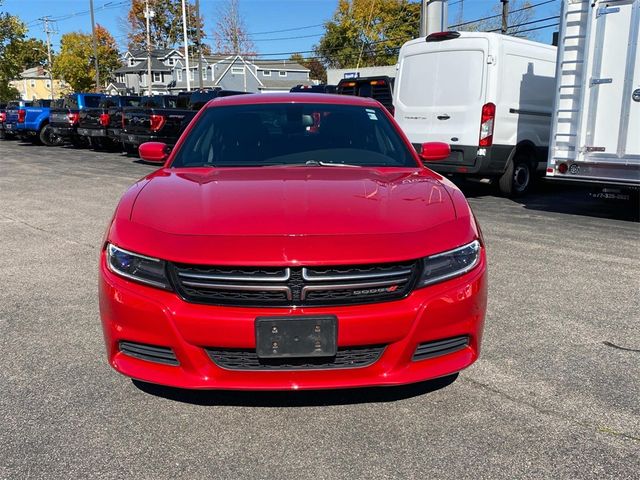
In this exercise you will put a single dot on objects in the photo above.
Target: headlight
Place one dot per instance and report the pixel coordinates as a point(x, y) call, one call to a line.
point(453, 263)
point(137, 267)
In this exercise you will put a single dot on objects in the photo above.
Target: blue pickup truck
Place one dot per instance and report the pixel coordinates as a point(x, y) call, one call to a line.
point(30, 121)
point(65, 117)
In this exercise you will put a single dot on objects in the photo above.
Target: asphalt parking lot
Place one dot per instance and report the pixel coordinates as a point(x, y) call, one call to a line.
point(555, 393)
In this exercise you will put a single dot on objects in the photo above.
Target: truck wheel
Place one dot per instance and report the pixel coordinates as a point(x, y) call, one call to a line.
point(46, 136)
point(518, 177)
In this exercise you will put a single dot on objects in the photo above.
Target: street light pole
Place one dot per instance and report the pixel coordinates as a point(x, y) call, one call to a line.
point(186, 44)
point(95, 46)
point(199, 45)
point(148, 14)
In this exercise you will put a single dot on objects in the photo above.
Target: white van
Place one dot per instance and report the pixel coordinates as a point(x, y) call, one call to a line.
point(489, 96)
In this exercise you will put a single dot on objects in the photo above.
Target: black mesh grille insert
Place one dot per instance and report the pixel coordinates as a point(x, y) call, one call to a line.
point(150, 353)
point(247, 359)
point(440, 347)
point(299, 286)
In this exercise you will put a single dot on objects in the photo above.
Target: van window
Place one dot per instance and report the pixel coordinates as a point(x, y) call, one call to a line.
point(450, 77)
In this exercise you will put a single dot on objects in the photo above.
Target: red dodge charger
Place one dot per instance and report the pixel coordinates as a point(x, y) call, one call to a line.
point(292, 241)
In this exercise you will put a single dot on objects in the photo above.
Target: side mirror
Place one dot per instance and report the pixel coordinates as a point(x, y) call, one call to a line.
point(434, 151)
point(155, 152)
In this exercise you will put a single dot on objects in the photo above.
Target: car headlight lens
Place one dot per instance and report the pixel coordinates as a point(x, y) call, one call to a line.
point(453, 263)
point(137, 267)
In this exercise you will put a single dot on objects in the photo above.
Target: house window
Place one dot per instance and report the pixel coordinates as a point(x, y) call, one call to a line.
point(266, 73)
point(132, 62)
point(157, 77)
point(47, 83)
point(179, 72)
point(283, 74)
point(204, 73)
point(237, 70)
point(33, 84)
point(171, 61)
point(192, 74)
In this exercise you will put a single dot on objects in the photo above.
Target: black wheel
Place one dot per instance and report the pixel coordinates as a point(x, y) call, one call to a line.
point(98, 143)
point(79, 142)
point(130, 149)
point(518, 177)
point(47, 137)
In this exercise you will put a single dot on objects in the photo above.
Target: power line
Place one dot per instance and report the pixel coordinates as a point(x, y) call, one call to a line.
point(490, 17)
point(510, 27)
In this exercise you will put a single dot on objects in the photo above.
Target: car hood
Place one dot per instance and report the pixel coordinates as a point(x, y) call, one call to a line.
point(289, 214)
point(292, 201)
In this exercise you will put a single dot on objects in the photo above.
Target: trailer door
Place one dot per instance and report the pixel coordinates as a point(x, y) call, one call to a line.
point(612, 102)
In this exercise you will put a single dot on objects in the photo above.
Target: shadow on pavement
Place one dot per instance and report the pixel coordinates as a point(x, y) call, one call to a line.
point(305, 398)
point(563, 198)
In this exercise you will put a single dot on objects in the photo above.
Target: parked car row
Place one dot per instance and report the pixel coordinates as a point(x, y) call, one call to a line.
point(100, 121)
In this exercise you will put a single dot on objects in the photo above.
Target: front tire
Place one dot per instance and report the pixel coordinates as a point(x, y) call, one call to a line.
point(518, 177)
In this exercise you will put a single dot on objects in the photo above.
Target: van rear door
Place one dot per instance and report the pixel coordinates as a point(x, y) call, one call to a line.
point(441, 88)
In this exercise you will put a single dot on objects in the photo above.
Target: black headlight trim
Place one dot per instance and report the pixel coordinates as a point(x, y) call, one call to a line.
point(476, 244)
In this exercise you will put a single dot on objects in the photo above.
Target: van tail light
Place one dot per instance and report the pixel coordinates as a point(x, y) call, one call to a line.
point(104, 119)
point(122, 120)
point(22, 114)
point(486, 125)
point(74, 118)
point(3, 117)
point(157, 122)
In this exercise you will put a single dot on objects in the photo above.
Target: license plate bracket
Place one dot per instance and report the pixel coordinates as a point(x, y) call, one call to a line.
point(296, 336)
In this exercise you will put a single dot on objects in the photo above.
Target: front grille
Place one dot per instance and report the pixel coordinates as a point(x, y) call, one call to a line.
point(299, 286)
point(150, 353)
point(440, 347)
point(245, 359)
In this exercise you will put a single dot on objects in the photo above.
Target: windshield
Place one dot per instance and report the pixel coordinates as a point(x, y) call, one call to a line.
point(293, 134)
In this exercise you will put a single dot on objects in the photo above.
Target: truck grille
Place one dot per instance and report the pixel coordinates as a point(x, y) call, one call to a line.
point(246, 359)
point(296, 286)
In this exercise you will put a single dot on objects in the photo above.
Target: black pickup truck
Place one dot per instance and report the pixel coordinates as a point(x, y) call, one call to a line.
point(151, 123)
point(102, 126)
point(379, 88)
point(65, 117)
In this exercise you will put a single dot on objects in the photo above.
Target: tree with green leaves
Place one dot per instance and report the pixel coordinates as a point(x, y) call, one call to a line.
point(317, 70)
point(368, 32)
point(74, 64)
point(165, 26)
point(17, 53)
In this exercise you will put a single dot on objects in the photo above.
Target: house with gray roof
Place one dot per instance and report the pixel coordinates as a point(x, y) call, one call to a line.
point(230, 72)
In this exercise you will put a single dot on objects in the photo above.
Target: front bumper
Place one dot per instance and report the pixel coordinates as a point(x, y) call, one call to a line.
point(132, 312)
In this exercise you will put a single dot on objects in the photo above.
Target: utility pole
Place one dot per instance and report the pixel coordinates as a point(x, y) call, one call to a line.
point(433, 17)
point(199, 44)
point(148, 14)
point(505, 16)
point(48, 31)
point(95, 46)
point(423, 18)
point(186, 44)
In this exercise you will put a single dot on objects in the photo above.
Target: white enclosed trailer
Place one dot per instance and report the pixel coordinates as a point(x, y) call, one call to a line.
point(596, 124)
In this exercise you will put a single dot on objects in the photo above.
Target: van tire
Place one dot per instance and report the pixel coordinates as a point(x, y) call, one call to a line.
point(518, 177)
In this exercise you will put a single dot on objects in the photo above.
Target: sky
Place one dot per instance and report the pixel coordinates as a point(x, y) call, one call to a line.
point(301, 20)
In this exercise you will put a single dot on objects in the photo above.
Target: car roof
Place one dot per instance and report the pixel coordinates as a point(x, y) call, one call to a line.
point(267, 98)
